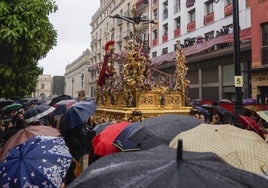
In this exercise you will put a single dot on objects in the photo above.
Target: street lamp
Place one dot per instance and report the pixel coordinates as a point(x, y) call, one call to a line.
point(72, 87)
point(82, 79)
point(238, 78)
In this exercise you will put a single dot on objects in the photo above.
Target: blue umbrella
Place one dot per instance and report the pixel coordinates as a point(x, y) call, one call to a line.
point(122, 140)
point(62, 106)
point(42, 161)
point(77, 114)
point(202, 110)
point(37, 112)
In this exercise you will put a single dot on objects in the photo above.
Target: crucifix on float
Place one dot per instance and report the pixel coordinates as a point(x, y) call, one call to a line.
point(136, 19)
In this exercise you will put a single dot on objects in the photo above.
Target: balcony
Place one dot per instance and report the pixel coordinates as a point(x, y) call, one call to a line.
point(154, 42)
point(209, 18)
point(228, 10)
point(177, 33)
point(191, 26)
point(164, 38)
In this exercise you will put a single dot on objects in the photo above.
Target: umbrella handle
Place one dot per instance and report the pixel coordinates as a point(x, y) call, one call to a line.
point(179, 150)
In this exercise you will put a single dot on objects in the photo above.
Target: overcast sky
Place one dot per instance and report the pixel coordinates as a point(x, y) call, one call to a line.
point(72, 22)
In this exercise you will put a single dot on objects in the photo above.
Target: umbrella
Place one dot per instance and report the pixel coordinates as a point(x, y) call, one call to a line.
point(160, 130)
point(42, 161)
point(263, 114)
point(5, 102)
point(24, 134)
point(249, 101)
point(13, 106)
point(122, 140)
point(103, 142)
point(161, 166)
point(226, 115)
point(240, 148)
point(250, 124)
point(62, 106)
point(58, 99)
point(203, 111)
point(37, 112)
point(77, 114)
point(99, 128)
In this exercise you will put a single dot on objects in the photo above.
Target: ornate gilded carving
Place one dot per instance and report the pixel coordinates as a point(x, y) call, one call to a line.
point(140, 87)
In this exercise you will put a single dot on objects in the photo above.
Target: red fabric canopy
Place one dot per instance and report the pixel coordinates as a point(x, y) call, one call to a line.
point(245, 34)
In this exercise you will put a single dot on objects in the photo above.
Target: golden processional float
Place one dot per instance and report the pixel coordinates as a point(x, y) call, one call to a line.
point(139, 91)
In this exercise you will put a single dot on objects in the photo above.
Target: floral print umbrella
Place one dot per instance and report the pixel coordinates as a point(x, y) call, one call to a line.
point(42, 161)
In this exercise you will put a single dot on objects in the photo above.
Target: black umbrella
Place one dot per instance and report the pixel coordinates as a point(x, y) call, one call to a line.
point(162, 129)
point(5, 102)
point(59, 98)
point(159, 167)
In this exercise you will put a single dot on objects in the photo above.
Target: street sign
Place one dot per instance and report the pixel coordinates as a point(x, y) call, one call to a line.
point(238, 81)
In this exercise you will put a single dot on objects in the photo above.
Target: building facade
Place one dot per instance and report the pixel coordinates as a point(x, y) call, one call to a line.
point(105, 29)
point(43, 87)
point(205, 30)
point(77, 76)
point(259, 29)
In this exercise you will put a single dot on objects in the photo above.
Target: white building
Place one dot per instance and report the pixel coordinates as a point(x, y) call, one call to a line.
point(188, 19)
point(77, 75)
point(43, 87)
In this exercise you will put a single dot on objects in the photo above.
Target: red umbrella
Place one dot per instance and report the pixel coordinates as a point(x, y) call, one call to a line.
point(24, 134)
point(250, 124)
point(103, 142)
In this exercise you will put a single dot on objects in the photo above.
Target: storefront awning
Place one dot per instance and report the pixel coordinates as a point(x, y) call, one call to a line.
point(245, 34)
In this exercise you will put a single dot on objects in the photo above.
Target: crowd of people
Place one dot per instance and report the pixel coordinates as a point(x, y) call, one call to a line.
point(12, 120)
point(214, 113)
point(79, 138)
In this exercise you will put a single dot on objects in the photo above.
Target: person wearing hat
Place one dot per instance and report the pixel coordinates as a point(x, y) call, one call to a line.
point(81, 95)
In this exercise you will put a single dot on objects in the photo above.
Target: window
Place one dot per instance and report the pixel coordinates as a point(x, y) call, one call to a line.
point(42, 86)
point(191, 14)
point(165, 10)
point(164, 50)
point(155, 14)
point(209, 7)
point(155, 34)
point(177, 6)
point(165, 29)
point(177, 22)
point(264, 43)
point(154, 54)
point(228, 2)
